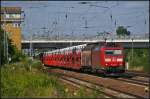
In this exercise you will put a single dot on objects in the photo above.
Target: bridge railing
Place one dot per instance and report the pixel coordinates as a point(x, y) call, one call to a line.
point(92, 38)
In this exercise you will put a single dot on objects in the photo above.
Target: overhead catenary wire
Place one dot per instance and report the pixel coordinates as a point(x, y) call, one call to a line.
point(74, 25)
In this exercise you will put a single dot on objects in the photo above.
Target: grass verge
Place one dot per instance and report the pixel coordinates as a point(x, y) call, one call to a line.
point(26, 79)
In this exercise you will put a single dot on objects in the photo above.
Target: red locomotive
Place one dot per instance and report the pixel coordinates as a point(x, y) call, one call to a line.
point(106, 57)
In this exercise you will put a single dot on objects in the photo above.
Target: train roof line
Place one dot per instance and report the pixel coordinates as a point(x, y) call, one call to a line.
point(67, 48)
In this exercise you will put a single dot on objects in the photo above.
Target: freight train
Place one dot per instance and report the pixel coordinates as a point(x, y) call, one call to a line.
point(105, 57)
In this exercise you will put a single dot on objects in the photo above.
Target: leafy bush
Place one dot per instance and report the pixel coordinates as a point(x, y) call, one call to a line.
point(18, 82)
point(140, 58)
point(37, 64)
point(18, 56)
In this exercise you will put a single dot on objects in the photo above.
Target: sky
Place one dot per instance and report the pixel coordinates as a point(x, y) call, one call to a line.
point(71, 17)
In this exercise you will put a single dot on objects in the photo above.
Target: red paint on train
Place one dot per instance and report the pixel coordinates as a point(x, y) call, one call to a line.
point(86, 56)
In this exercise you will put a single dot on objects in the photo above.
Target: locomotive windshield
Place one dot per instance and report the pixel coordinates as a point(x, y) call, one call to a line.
point(113, 52)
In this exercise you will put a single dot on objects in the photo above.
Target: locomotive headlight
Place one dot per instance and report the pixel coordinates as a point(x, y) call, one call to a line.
point(107, 59)
point(119, 60)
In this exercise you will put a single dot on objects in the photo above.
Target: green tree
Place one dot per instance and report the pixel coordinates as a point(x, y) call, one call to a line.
point(122, 31)
point(11, 48)
point(1, 47)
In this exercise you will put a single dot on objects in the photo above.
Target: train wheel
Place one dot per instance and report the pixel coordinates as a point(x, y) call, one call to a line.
point(93, 70)
point(82, 69)
point(86, 69)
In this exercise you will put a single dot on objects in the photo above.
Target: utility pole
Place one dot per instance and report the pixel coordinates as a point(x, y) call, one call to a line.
point(58, 36)
point(72, 34)
point(4, 35)
point(5, 38)
point(111, 18)
point(86, 27)
point(0, 57)
point(132, 51)
point(30, 34)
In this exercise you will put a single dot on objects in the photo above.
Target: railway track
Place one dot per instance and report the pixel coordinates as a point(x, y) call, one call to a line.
point(139, 78)
point(107, 92)
point(134, 81)
point(121, 88)
point(137, 73)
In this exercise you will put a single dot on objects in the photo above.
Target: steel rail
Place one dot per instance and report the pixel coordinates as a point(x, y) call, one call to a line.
point(111, 88)
point(107, 92)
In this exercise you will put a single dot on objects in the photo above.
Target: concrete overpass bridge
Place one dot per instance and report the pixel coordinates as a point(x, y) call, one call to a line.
point(43, 45)
point(54, 44)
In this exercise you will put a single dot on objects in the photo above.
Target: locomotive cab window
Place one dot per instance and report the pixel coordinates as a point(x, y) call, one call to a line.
point(113, 52)
point(109, 52)
point(117, 52)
